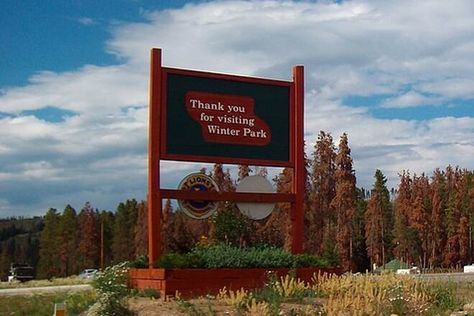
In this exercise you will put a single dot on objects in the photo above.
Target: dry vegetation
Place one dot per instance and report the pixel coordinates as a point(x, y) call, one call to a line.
point(327, 295)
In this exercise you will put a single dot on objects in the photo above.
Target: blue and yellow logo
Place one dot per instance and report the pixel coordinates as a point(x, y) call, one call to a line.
point(196, 208)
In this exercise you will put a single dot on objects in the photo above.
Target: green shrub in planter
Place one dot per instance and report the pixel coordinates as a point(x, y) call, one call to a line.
point(139, 262)
point(227, 256)
point(306, 260)
point(180, 261)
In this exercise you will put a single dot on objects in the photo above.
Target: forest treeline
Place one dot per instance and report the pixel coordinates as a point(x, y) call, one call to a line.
point(426, 221)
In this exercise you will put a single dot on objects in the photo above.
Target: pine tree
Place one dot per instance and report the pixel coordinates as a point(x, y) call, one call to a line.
point(464, 188)
point(438, 229)
point(141, 231)
point(320, 218)
point(5, 259)
point(89, 241)
point(123, 245)
point(275, 229)
point(219, 176)
point(419, 218)
point(403, 234)
point(379, 221)
point(69, 241)
point(463, 233)
point(182, 239)
point(167, 227)
point(49, 264)
point(470, 212)
point(344, 203)
point(360, 257)
point(453, 216)
point(106, 219)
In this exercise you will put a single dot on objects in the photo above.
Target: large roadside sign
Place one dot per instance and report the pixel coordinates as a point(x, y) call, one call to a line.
point(224, 118)
point(220, 118)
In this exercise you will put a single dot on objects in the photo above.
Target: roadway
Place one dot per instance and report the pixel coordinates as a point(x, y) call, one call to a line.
point(30, 291)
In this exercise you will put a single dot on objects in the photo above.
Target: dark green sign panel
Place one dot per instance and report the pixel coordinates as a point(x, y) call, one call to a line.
point(219, 116)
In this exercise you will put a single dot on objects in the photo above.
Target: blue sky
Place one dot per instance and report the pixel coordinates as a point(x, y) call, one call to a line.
point(62, 35)
point(74, 85)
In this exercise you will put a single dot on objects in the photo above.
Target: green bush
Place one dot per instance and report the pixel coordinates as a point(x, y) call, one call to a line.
point(443, 295)
point(139, 262)
point(180, 261)
point(227, 256)
point(231, 227)
point(306, 260)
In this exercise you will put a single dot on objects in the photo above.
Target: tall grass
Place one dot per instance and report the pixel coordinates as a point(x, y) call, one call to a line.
point(43, 305)
point(347, 295)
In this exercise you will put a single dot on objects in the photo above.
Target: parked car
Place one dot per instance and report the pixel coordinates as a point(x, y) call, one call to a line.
point(21, 272)
point(412, 270)
point(88, 273)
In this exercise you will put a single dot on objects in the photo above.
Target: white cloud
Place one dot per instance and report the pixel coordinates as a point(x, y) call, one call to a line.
point(410, 99)
point(411, 52)
point(87, 21)
point(462, 88)
point(91, 90)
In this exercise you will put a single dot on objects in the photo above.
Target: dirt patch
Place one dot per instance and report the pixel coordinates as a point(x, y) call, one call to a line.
point(149, 307)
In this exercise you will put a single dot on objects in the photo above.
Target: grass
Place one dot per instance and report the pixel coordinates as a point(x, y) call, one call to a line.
point(43, 304)
point(40, 305)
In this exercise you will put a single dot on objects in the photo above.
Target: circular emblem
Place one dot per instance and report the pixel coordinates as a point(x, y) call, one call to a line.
point(255, 184)
point(195, 208)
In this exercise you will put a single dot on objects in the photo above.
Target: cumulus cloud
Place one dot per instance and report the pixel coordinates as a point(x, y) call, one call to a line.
point(393, 54)
point(410, 99)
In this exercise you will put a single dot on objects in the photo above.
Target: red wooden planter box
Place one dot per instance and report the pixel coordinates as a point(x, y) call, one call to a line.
point(195, 282)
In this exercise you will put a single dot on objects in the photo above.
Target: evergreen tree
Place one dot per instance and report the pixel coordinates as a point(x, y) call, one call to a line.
point(438, 229)
point(167, 227)
point(182, 239)
point(232, 227)
point(205, 229)
point(344, 204)
point(5, 260)
point(69, 230)
point(379, 222)
point(275, 229)
point(463, 233)
point(123, 244)
point(419, 218)
point(320, 219)
point(89, 238)
point(453, 217)
point(360, 257)
point(106, 219)
point(141, 231)
point(219, 176)
point(405, 237)
point(49, 264)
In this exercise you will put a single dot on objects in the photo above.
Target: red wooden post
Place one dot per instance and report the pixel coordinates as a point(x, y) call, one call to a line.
point(154, 196)
point(297, 216)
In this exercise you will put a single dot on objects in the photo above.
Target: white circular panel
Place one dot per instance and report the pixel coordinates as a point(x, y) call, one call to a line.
point(255, 184)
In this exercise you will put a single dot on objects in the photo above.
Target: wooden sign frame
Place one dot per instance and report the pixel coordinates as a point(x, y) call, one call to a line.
point(157, 151)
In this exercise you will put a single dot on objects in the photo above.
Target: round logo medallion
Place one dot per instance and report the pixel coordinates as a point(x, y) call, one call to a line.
point(195, 208)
